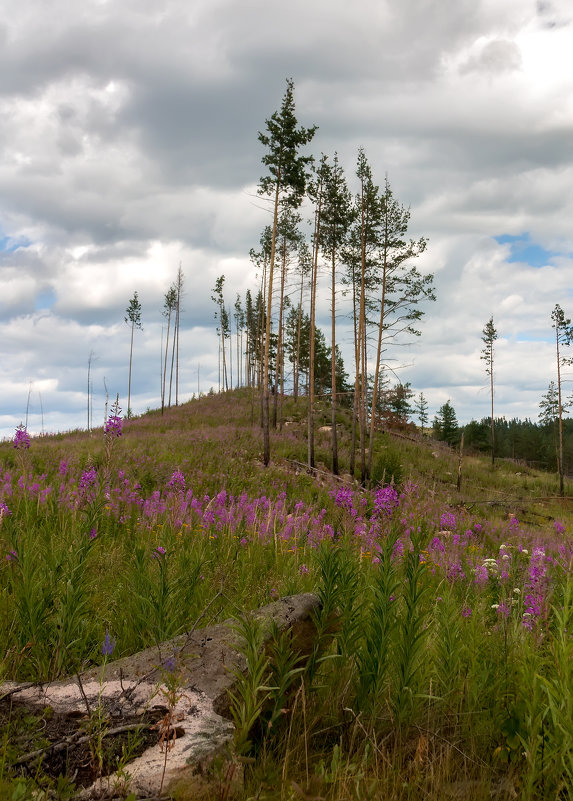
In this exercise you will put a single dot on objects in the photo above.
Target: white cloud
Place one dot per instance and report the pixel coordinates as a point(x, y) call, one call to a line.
point(129, 145)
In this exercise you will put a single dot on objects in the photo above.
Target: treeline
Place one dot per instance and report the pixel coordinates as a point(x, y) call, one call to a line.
point(537, 444)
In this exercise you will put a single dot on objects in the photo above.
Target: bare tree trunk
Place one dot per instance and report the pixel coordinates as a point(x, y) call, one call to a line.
point(313, 281)
point(378, 356)
point(355, 398)
point(362, 345)
point(165, 365)
point(298, 339)
point(492, 421)
point(333, 367)
point(177, 326)
point(129, 381)
point(266, 430)
point(560, 414)
point(280, 335)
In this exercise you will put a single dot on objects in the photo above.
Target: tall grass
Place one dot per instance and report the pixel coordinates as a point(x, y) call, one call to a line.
point(442, 658)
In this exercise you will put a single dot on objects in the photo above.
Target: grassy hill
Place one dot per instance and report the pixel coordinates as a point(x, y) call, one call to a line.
point(449, 671)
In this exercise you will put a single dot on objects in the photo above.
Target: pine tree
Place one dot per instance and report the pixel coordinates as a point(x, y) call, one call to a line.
point(421, 408)
point(169, 306)
point(563, 338)
point(446, 424)
point(285, 183)
point(179, 285)
point(402, 288)
point(358, 255)
point(222, 316)
point(337, 217)
point(549, 414)
point(487, 354)
point(133, 319)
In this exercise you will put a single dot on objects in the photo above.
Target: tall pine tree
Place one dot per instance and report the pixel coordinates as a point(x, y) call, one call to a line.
point(285, 183)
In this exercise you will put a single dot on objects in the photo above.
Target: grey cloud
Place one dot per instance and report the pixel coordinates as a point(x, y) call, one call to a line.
point(495, 57)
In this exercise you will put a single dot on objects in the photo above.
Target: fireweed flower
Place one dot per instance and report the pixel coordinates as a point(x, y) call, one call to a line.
point(21, 438)
point(481, 575)
point(108, 644)
point(385, 500)
point(113, 426)
point(177, 482)
point(448, 521)
point(88, 478)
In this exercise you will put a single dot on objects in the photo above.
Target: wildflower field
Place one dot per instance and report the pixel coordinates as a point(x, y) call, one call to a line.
point(448, 670)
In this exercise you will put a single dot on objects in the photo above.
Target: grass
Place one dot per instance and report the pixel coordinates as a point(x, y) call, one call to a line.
point(447, 671)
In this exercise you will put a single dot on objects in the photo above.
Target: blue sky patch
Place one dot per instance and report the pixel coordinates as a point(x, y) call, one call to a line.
point(9, 245)
point(524, 250)
point(45, 299)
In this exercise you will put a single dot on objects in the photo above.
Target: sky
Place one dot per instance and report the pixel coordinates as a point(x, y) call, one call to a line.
point(129, 146)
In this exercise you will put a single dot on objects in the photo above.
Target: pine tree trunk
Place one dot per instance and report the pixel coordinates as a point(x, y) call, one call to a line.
point(313, 282)
point(492, 421)
point(333, 368)
point(362, 346)
point(378, 359)
point(165, 363)
point(129, 381)
point(266, 432)
point(560, 411)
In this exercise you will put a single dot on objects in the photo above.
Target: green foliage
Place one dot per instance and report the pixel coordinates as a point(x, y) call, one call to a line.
point(446, 424)
point(251, 689)
point(387, 467)
point(404, 644)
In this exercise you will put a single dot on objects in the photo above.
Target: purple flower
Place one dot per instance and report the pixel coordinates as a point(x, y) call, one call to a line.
point(559, 527)
point(21, 438)
point(481, 575)
point(303, 570)
point(4, 511)
point(466, 611)
point(448, 521)
point(93, 534)
point(455, 572)
point(342, 497)
point(170, 664)
point(12, 556)
point(113, 426)
point(177, 481)
point(108, 644)
point(159, 552)
point(88, 478)
point(385, 501)
point(503, 610)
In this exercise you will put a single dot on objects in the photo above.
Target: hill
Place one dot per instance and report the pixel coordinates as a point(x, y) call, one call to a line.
point(449, 665)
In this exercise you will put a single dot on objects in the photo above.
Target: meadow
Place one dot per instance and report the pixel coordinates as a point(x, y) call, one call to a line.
point(443, 660)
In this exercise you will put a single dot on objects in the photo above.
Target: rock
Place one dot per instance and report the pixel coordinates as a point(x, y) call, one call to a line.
point(198, 709)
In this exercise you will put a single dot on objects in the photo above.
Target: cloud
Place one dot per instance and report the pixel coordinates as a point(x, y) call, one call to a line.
point(129, 146)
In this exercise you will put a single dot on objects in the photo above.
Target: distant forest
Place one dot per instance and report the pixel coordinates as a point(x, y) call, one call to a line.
point(534, 443)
